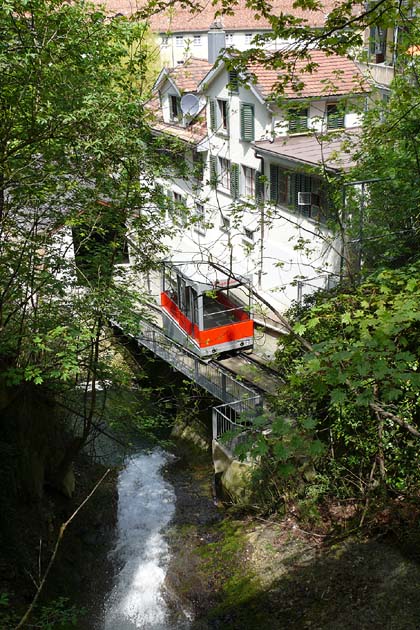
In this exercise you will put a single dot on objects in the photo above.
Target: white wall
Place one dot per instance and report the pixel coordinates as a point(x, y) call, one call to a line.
point(269, 257)
point(196, 44)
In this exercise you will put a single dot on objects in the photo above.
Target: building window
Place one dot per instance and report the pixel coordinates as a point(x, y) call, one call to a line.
point(198, 165)
point(377, 43)
point(165, 40)
point(199, 218)
point(335, 116)
point(175, 107)
point(248, 39)
point(229, 39)
point(247, 122)
point(179, 208)
point(233, 84)
point(223, 114)
point(249, 234)
point(179, 40)
point(224, 172)
point(299, 191)
point(219, 116)
point(197, 40)
point(298, 120)
point(249, 181)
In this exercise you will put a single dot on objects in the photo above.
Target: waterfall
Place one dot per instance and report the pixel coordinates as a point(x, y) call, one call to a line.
point(146, 505)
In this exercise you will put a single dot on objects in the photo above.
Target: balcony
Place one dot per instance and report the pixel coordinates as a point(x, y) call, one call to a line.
point(381, 74)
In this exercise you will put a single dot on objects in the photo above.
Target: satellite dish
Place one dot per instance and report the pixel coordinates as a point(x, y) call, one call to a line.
point(190, 104)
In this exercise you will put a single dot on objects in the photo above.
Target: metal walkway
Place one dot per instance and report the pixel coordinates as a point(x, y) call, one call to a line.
point(239, 401)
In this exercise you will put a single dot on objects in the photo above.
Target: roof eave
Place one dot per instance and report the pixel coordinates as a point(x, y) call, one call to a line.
point(294, 161)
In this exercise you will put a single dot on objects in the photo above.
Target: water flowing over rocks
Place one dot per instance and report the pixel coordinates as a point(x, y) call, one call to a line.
point(145, 508)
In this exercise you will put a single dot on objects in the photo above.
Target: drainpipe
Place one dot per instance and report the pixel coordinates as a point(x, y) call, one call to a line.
point(262, 225)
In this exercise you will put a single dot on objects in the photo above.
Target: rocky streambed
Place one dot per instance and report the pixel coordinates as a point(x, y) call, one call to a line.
point(240, 572)
point(230, 570)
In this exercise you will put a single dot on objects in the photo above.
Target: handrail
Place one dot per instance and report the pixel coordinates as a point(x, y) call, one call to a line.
point(239, 400)
point(234, 418)
point(215, 379)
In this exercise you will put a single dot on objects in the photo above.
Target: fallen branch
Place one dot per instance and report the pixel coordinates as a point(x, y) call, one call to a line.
point(54, 554)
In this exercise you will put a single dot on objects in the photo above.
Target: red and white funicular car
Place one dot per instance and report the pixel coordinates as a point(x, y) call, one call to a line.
point(205, 309)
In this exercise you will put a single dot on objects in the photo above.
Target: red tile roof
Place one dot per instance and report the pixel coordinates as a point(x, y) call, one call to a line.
point(332, 76)
point(179, 19)
point(333, 150)
point(193, 134)
point(189, 74)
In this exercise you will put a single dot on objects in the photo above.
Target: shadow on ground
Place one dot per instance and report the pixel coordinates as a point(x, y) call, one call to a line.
point(353, 586)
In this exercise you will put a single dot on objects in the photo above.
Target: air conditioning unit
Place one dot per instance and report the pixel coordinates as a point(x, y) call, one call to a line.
point(304, 198)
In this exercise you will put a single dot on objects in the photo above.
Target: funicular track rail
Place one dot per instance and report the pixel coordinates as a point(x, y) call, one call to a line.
point(217, 380)
point(241, 401)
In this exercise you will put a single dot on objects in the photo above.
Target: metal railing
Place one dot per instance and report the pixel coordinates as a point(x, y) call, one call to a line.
point(234, 419)
point(241, 402)
point(214, 379)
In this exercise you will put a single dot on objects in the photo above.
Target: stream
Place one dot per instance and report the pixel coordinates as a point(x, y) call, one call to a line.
point(146, 506)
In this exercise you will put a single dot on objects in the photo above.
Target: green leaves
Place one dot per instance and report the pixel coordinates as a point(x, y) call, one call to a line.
point(365, 351)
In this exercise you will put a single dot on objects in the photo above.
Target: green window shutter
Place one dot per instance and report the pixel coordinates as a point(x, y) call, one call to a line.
point(213, 118)
point(247, 122)
point(234, 180)
point(259, 187)
point(294, 189)
point(300, 183)
point(213, 171)
point(335, 117)
point(298, 120)
point(274, 183)
point(233, 82)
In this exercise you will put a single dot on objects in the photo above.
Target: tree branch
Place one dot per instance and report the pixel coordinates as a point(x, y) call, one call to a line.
point(54, 554)
point(402, 423)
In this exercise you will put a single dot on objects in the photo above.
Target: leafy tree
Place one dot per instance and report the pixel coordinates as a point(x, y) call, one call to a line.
point(385, 218)
point(350, 403)
point(77, 158)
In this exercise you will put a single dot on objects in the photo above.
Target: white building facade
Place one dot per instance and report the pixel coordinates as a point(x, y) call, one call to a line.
point(260, 204)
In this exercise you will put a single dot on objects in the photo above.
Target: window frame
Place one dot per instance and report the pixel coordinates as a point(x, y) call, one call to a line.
point(249, 175)
point(219, 116)
point(337, 116)
point(225, 174)
point(200, 217)
point(175, 112)
point(298, 121)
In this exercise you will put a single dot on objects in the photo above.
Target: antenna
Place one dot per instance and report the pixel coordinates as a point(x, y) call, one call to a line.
point(189, 104)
